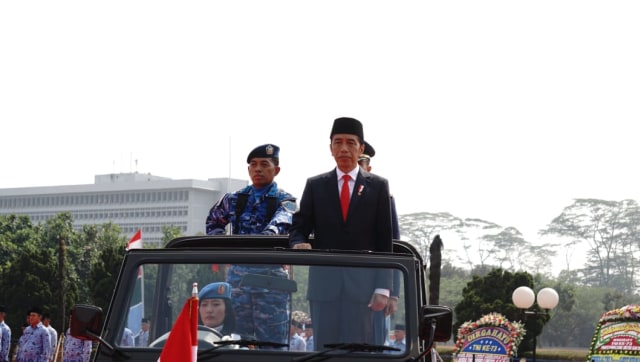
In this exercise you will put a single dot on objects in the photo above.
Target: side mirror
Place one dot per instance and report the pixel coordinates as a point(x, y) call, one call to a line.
point(86, 322)
point(436, 323)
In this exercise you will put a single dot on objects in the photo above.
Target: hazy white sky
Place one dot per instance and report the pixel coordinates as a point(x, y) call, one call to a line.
point(499, 110)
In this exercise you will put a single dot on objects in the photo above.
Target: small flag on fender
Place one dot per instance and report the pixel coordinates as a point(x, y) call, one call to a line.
point(182, 344)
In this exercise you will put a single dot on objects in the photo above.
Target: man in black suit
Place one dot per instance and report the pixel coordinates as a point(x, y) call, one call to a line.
point(342, 303)
point(381, 318)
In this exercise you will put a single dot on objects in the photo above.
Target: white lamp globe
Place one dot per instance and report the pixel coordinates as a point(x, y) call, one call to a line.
point(548, 298)
point(523, 297)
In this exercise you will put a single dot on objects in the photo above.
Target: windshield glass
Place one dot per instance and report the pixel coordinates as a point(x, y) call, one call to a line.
point(298, 308)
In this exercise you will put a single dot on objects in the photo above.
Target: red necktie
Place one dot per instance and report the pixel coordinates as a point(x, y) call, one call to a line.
point(344, 196)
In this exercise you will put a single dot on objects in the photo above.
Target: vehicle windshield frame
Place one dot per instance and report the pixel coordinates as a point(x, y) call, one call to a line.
point(406, 262)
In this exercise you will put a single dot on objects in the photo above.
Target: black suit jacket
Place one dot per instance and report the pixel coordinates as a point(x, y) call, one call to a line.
point(368, 224)
point(368, 227)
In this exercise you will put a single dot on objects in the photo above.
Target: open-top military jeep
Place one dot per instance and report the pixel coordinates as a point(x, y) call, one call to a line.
point(169, 273)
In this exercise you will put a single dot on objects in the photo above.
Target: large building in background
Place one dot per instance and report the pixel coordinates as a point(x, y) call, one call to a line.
point(131, 200)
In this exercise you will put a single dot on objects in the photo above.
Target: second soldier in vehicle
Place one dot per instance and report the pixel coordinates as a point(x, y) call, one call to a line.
point(260, 208)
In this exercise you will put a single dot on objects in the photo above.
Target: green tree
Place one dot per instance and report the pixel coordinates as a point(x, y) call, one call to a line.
point(170, 232)
point(104, 274)
point(510, 251)
point(29, 279)
point(53, 266)
point(57, 234)
point(509, 248)
point(15, 233)
point(452, 282)
point(484, 244)
point(421, 228)
point(83, 254)
point(574, 327)
point(493, 293)
point(86, 251)
point(477, 250)
point(300, 273)
point(611, 230)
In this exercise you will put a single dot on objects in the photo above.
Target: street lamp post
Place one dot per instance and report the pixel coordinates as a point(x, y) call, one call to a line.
point(524, 298)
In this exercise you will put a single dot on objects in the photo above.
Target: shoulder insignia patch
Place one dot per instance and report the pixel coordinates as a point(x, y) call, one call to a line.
point(289, 205)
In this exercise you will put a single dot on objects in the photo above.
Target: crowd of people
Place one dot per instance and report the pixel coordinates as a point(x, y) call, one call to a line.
point(39, 341)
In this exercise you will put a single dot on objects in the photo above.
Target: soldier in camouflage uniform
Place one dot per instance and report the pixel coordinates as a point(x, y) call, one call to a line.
point(260, 208)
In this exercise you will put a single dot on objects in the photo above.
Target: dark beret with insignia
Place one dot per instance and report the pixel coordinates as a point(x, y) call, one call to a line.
point(264, 151)
point(347, 125)
point(399, 327)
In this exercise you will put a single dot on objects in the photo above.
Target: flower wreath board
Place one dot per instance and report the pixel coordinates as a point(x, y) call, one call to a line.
point(617, 336)
point(492, 338)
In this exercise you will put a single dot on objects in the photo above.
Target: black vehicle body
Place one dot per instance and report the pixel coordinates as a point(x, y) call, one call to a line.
point(185, 260)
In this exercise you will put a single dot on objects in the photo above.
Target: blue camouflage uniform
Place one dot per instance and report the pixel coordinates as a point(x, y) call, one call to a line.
point(253, 219)
point(34, 344)
point(260, 313)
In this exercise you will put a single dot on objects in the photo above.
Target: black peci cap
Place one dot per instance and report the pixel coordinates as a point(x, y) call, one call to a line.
point(36, 310)
point(348, 126)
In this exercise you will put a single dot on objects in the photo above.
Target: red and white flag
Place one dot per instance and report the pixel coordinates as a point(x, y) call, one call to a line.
point(182, 344)
point(136, 310)
point(136, 241)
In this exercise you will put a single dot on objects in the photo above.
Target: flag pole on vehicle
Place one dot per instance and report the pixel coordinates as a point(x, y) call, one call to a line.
point(136, 309)
point(182, 344)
